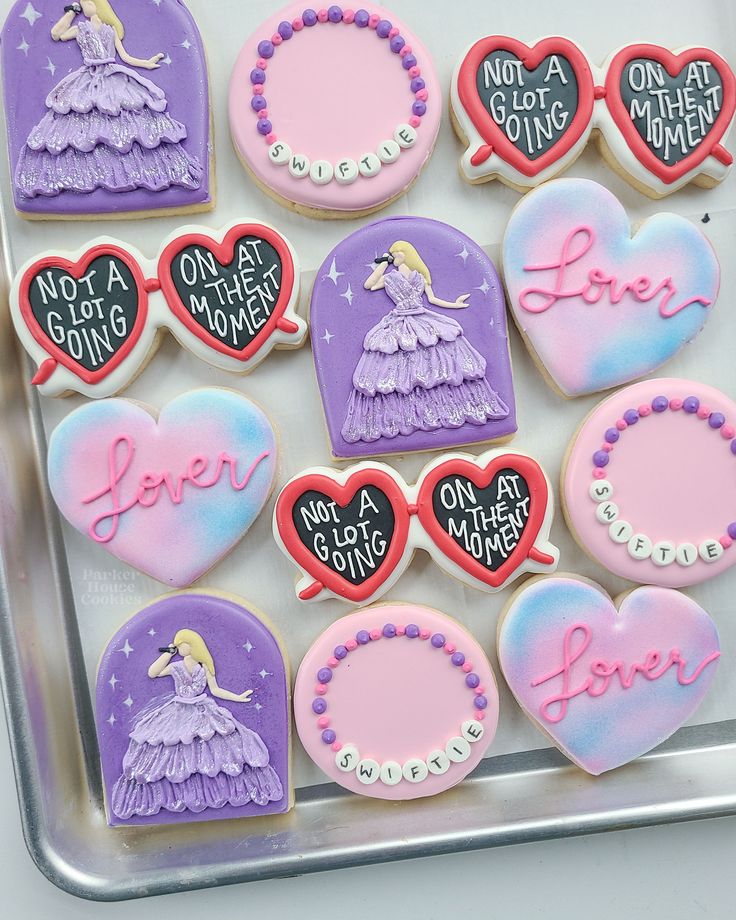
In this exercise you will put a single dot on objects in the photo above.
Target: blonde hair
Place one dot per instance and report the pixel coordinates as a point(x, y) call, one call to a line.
point(199, 650)
point(412, 259)
point(108, 16)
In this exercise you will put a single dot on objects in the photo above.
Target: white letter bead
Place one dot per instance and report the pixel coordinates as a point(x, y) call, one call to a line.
point(710, 550)
point(415, 770)
point(457, 749)
point(640, 546)
point(388, 151)
point(391, 773)
point(405, 136)
point(346, 171)
point(687, 554)
point(279, 153)
point(663, 553)
point(472, 730)
point(620, 531)
point(299, 166)
point(321, 172)
point(607, 512)
point(347, 758)
point(438, 763)
point(369, 165)
point(600, 490)
point(368, 771)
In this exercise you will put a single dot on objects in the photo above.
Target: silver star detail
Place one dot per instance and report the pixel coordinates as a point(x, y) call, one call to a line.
point(463, 254)
point(186, 44)
point(166, 60)
point(327, 337)
point(113, 680)
point(23, 46)
point(372, 265)
point(491, 323)
point(156, 2)
point(485, 287)
point(128, 702)
point(333, 274)
point(152, 632)
point(51, 67)
point(249, 646)
point(259, 707)
point(30, 14)
point(126, 649)
point(348, 294)
point(264, 673)
point(112, 720)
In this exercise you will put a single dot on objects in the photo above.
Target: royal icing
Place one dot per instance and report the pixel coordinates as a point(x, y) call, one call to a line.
point(107, 108)
point(485, 520)
point(597, 306)
point(409, 341)
point(527, 112)
point(192, 481)
point(575, 662)
point(90, 319)
point(215, 747)
point(396, 702)
point(305, 138)
point(623, 482)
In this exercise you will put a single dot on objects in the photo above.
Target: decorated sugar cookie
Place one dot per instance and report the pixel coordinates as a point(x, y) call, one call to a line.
point(107, 109)
point(578, 662)
point(485, 520)
point(169, 496)
point(409, 341)
point(334, 112)
point(91, 319)
point(597, 304)
point(193, 716)
point(396, 702)
point(648, 485)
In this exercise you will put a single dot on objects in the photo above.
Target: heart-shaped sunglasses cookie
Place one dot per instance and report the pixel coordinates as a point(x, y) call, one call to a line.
point(352, 533)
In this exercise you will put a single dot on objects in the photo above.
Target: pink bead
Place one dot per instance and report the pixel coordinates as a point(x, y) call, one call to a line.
point(479, 690)
point(450, 649)
point(276, 39)
point(271, 138)
point(703, 412)
point(422, 95)
point(348, 16)
point(415, 121)
point(480, 715)
point(599, 473)
point(258, 89)
point(675, 404)
point(607, 447)
point(373, 20)
point(622, 424)
point(375, 634)
point(425, 634)
point(297, 24)
point(263, 113)
point(467, 667)
point(727, 432)
point(336, 746)
point(323, 722)
point(405, 50)
point(261, 63)
point(332, 662)
point(725, 541)
point(320, 689)
point(351, 645)
point(644, 410)
point(415, 71)
point(401, 630)
point(322, 16)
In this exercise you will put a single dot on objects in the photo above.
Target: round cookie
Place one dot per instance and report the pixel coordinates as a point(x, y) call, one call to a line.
point(168, 495)
point(216, 747)
point(605, 681)
point(396, 702)
point(334, 112)
point(648, 486)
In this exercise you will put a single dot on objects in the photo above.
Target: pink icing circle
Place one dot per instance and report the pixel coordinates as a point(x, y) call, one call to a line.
point(672, 479)
point(399, 698)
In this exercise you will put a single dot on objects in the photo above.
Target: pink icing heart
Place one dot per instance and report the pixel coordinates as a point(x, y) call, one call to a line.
point(606, 686)
point(169, 497)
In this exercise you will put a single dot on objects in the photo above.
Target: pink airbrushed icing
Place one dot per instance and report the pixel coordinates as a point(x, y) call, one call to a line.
point(396, 698)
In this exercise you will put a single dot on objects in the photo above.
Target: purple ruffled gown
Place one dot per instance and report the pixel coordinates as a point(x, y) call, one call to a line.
point(106, 127)
point(188, 753)
point(417, 372)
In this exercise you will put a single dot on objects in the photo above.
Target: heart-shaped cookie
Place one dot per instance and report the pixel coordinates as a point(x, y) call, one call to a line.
point(597, 306)
point(169, 497)
point(606, 684)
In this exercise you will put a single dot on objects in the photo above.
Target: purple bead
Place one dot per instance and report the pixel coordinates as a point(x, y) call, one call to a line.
point(733, 446)
point(319, 706)
point(309, 17)
point(257, 76)
point(458, 659)
point(416, 84)
point(389, 630)
point(408, 62)
point(324, 676)
point(383, 28)
point(601, 458)
point(691, 404)
point(265, 49)
point(285, 30)
point(396, 44)
point(264, 126)
point(334, 14)
point(631, 416)
point(328, 736)
point(612, 435)
point(340, 652)
point(731, 530)
point(257, 103)
point(361, 18)
point(660, 403)
point(419, 108)
point(480, 702)
point(437, 640)
point(412, 631)
point(472, 680)
point(716, 420)
point(363, 637)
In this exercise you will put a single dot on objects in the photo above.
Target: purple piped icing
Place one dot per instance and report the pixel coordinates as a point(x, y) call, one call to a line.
point(105, 136)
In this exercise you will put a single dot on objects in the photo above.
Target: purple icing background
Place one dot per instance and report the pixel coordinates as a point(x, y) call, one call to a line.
point(150, 27)
point(342, 308)
point(227, 627)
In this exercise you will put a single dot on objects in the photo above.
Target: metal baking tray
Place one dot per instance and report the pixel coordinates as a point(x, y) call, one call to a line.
point(60, 598)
